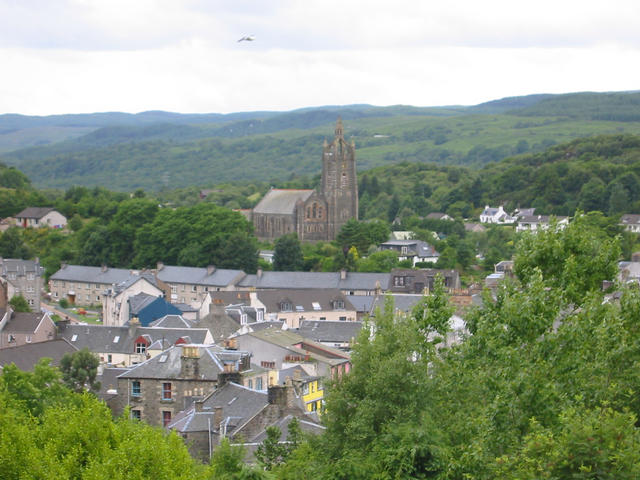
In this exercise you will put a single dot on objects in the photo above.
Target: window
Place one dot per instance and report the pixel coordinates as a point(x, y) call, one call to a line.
point(166, 418)
point(30, 289)
point(260, 315)
point(88, 286)
point(259, 383)
point(141, 347)
point(97, 298)
point(194, 288)
point(30, 276)
point(316, 306)
point(109, 358)
point(404, 250)
point(323, 318)
point(343, 319)
point(136, 414)
point(285, 306)
point(12, 276)
point(338, 305)
point(174, 289)
point(135, 388)
point(250, 383)
point(166, 391)
point(398, 281)
point(28, 338)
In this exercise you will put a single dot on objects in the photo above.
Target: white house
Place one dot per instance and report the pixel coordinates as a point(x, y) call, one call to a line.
point(534, 223)
point(630, 222)
point(40, 217)
point(496, 215)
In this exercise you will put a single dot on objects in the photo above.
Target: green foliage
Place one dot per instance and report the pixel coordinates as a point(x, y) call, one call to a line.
point(287, 255)
point(63, 302)
point(575, 259)
point(227, 463)
point(12, 246)
point(79, 370)
point(362, 235)
point(19, 304)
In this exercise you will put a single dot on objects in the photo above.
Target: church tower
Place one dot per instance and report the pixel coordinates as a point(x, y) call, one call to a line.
point(339, 182)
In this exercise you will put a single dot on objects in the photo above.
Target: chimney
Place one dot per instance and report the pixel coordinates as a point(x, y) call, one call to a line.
point(217, 417)
point(189, 361)
point(259, 273)
point(160, 266)
point(134, 323)
point(343, 274)
point(283, 396)
point(198, 405)
point(103, 268)
point(210, 269)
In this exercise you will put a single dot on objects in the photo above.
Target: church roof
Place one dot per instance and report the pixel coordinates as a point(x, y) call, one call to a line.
point(281, 201)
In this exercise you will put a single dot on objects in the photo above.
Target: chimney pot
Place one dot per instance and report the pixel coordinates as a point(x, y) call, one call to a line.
point(210, 269)
point(160, 266)
point(259, 273)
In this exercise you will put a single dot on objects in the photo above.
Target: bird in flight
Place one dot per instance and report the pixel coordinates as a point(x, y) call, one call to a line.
point(247, 38)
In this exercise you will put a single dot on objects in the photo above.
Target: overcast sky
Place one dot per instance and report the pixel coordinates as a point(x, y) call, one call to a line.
point(74, 56)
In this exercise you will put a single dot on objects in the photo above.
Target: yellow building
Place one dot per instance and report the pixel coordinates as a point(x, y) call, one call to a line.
point(312, 394)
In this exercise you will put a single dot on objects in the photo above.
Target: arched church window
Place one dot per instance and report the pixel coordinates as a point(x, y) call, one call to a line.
point(319, 212)
point(315, 206)
point(308, 212)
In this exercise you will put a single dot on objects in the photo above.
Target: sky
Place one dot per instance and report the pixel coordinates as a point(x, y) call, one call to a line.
point(80, 56)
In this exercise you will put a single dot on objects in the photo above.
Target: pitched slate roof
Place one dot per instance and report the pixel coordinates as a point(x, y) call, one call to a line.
point(306, 425)
point(221, 325)
point(24, 322)
point(199, 276)
point(34, 212)
point(282, 201)
point(303, 300)
point(239, 404)
point(539, 219)
point(415, 247)
point(288, 339)
point(168, 365)
point(20, 267)
point(329, 331)
point(362, 303)
point(352, 281)
point(630, 219)
point(26, 356)
point(104, 339)
point(131, 280)
point(80, 273)
point(139, 301)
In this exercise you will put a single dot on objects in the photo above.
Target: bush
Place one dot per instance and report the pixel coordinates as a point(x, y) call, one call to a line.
point(64, 303)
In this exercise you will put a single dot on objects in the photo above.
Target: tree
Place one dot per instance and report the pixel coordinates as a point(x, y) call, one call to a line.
point(19, 304)
point(79, 370)
point(11, 244)
point(287, 255)
point(575, 259)
point(271, 453)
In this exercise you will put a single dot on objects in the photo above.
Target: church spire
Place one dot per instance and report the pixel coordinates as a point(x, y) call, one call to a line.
point(339, 130)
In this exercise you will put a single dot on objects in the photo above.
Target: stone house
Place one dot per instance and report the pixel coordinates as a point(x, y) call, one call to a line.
point(23, 277)
point(18, 328)
point(341, 335)
point(240, 414)
point(85, 285)
point(190, 285)
point(40, 217)
point(156, 390)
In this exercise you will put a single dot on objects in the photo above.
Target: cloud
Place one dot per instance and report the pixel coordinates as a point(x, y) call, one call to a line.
point(90, 55)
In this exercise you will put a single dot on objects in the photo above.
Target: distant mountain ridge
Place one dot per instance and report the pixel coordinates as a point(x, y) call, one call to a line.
point(125, 151)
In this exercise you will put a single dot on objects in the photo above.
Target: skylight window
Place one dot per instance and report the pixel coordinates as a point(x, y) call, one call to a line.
point(74, 338)
point(299, 308)
point(116, 339)
point(316, 306)
point(163, 358)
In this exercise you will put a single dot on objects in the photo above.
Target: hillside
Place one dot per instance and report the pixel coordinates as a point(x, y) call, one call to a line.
point(176, 151)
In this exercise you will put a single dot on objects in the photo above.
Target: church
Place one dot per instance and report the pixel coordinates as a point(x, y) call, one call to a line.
point(314, 214)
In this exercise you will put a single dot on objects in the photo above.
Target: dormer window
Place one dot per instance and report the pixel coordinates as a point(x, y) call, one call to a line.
point(141, 347)
point(338, 305)
point(260, 315)
point(285, 306)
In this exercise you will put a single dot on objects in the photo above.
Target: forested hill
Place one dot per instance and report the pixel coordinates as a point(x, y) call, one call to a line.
point(596, 173)
point(158, 149)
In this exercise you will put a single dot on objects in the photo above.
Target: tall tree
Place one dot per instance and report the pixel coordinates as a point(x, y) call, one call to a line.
point(79, 370)
point(287, 255)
